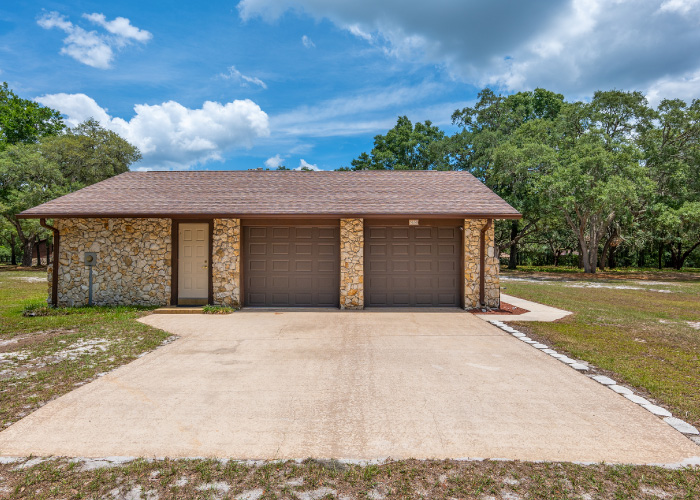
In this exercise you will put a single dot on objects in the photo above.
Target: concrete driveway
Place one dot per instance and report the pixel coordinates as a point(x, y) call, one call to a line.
point(354, 385)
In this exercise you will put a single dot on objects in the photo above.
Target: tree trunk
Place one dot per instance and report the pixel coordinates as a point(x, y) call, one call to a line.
point(37, 245)
point(513, 260)
point(13, 250)
point(580, 256)
point(680, 260)
point(28, 256)
point(661, 254)
point(606, 249)
point(611, 258)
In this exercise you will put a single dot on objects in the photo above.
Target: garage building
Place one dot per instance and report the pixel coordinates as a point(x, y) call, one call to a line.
point(347, 240)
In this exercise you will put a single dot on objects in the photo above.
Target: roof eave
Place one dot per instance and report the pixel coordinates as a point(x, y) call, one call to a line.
point(92, 215)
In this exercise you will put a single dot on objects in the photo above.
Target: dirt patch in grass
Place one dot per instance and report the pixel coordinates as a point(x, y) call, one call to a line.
point(44, 357)
point(29, 339)
point(572, 273)
point(328, 479)
point(505, 308)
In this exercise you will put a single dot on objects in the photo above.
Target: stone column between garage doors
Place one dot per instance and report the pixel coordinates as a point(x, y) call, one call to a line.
point(492, 291)
point(352, 242)
point(226, 262)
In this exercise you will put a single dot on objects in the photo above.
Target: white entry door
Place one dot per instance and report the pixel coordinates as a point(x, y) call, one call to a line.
point(193, 264)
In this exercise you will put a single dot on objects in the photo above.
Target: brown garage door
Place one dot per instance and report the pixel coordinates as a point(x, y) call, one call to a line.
point(291, 266)
point(412, 266)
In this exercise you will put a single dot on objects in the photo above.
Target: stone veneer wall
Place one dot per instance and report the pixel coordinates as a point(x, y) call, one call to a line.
point(492, 291)
point(133, 261)
point(352, 242)
point(226, 265)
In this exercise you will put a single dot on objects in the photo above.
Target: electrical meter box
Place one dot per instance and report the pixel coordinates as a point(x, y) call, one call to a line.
point(90, 258)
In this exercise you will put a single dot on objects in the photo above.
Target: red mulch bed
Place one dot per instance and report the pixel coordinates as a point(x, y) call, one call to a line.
point(504, 309)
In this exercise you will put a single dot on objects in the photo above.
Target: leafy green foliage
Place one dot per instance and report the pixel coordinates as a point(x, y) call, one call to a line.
point(89, 153)
point(41, 160)
point(406, 147)
point(24, 121)
point(588, 177)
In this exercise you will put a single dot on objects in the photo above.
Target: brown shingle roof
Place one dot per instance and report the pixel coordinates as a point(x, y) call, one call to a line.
point(184, 194)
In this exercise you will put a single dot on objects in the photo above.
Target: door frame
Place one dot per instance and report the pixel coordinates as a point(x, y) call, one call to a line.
point(175, 263)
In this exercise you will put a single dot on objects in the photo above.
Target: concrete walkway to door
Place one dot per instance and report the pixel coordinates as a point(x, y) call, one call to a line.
point(352, 385)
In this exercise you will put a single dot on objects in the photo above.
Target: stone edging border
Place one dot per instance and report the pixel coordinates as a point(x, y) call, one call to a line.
point(678, 424)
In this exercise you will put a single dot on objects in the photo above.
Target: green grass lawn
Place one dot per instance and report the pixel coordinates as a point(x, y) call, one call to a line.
point(644, 329)
point(44, 357)
point(312, 479)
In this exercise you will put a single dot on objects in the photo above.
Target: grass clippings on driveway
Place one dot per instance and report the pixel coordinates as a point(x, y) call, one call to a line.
point(43, 357)
point(312, 479)
point(644, 330)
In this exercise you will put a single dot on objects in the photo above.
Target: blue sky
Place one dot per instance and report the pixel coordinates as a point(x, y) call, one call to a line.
point(237, 85)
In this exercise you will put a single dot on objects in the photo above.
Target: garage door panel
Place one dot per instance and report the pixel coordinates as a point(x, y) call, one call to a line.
point(257, 232)
point(304, 232)
point(448, 233)
point(424, 266)
point(377, 249)
point(257, 265)
point(376, 233)
point(256, 299)
point(400, 299)
point(279, 232)
point(447, 282)
point(400, 266)
point(424, 283)
point(257, 249)
point(326, 300)
point(447, 266)
point(280, 266)
point(401, 282)
point(303, 249)
point(303, 299)
point(424, 233)
point(412, 266)
point(448, 250)
point(424, 299)
point(423, 249)
point(326, 266)
point(277, 282)
point(280, 248)
point(291, 266)
point(399, 250)
point(326, 249)
point(400, 233)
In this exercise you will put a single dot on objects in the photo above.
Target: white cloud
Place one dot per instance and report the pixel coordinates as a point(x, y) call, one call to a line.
point(680, 6)
point(358, 32)
point(244, 80)
point(304, 164)
point(686, 88)
point(308, 42)
point(90, 47)
point(574, 47)
point(170, 135)
point(274, 161)
point(368, 111)
point(121, 27)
